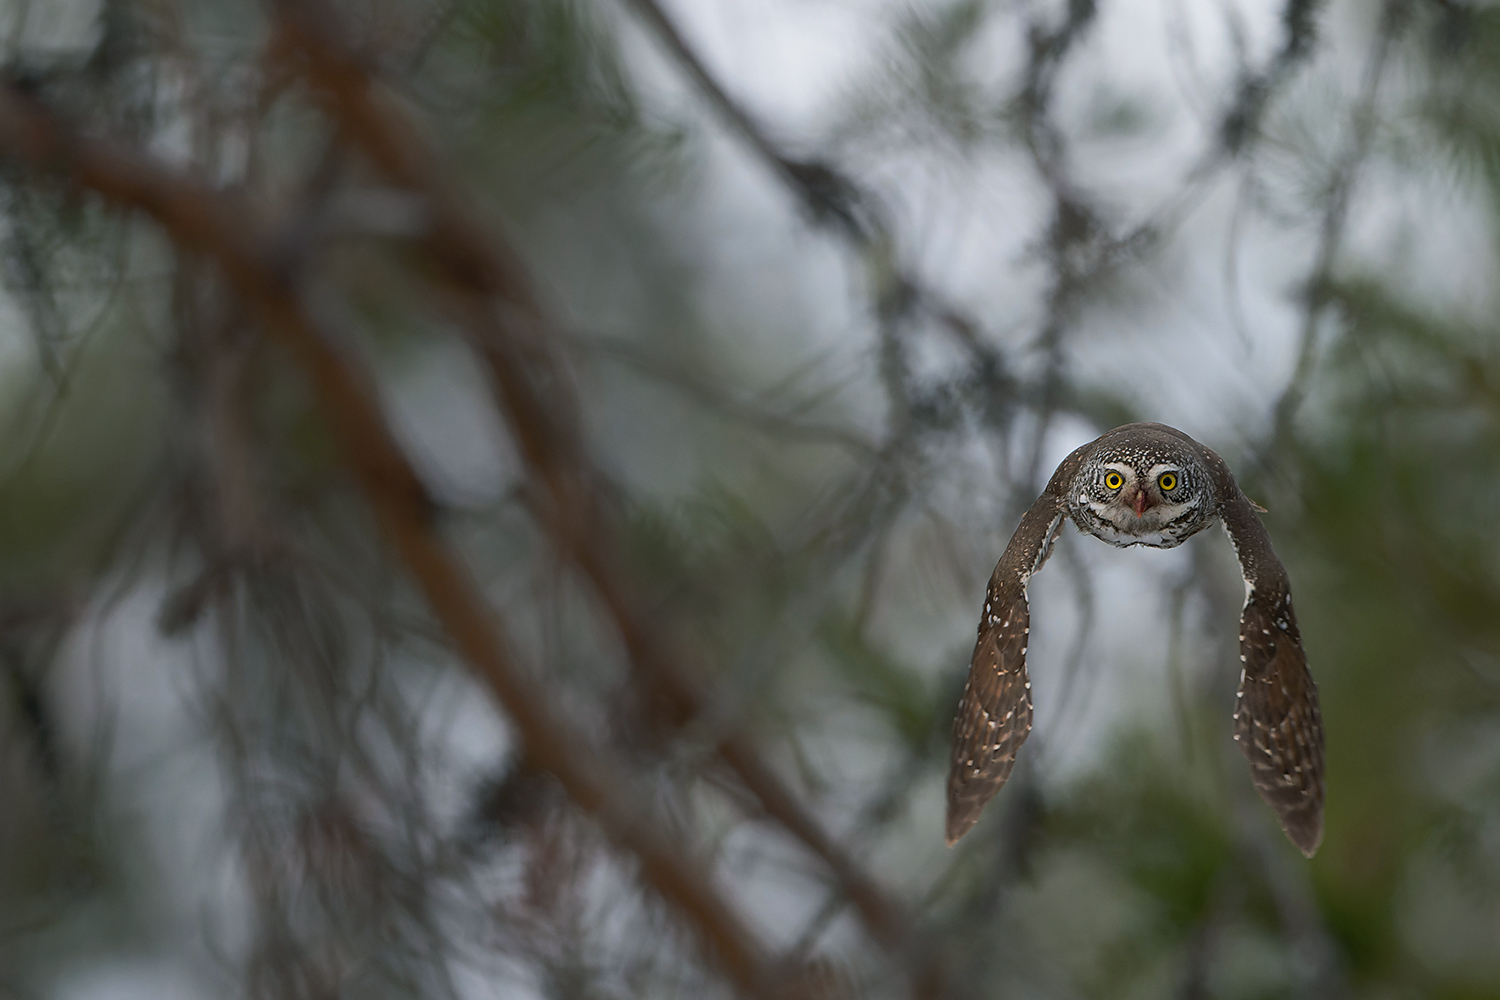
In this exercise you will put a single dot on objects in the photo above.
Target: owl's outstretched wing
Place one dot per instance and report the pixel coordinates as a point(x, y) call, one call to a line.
point(1276, 718)
point(994, 713)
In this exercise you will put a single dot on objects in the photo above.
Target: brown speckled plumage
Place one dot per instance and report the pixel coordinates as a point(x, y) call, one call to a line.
point(1146, 484)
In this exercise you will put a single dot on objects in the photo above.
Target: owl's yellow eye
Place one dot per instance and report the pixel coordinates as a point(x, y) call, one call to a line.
point(1113, 481)
point(1167, 481)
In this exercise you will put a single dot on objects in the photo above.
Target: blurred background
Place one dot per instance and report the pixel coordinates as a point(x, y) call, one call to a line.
point(496, 495)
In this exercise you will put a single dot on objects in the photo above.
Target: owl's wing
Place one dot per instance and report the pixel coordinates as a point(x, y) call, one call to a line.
point(994, 714)
point(1276, 718)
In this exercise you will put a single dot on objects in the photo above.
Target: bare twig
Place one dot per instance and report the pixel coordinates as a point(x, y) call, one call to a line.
point(747, 412)
point(832, 197)
point(827, 194)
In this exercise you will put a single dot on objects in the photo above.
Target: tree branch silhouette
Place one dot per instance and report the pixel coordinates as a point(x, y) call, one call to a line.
point(490, 294)
point(217, 225)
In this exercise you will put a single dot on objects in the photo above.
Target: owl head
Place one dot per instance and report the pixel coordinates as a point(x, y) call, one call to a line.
point(1142, 489)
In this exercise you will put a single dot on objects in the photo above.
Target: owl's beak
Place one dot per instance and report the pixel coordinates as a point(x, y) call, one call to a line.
point(1141, 503)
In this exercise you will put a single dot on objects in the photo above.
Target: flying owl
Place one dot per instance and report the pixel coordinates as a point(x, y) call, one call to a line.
point(1147, 484)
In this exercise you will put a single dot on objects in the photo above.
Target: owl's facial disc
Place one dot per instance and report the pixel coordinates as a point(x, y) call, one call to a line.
point(1140, 505)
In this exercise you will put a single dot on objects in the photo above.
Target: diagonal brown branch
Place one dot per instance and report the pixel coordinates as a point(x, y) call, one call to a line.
point(204, 221)
point(494, 299)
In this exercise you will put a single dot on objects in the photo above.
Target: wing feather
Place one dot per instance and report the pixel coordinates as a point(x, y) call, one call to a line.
point(1277, 722)
point(994, 712)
